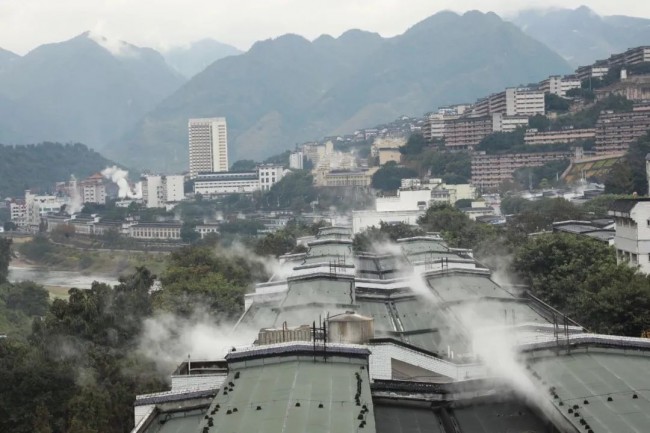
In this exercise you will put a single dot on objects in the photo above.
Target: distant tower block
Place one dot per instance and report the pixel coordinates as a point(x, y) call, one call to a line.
point(208, 145)
point(647, 171)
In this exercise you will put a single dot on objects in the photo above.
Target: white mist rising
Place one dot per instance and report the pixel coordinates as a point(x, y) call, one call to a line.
point(120, 178)
point(167, 339)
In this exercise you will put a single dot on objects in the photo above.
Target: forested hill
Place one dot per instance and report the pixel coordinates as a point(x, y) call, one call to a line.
point(39, 166)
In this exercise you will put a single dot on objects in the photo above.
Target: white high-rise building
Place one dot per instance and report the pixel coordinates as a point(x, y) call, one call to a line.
point(295, 160)
point(208, 139)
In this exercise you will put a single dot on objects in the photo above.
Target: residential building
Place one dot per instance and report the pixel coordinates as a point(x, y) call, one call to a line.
point(634, 88)
point(296, 160)
point(269, 175)
point(18, 212)
point(174, 188)
point(37, 206)
point(511, 102)
point(632, 239)
point(153, 191)
point(502, 123)
point(208, 145)
point(156, 231)
point(489, 171)
point(602, 230)
point(460, 133)
point(559, 85)
point(597, 70)
point(478, 209)
point(92, 189)
point(534, 137)
point(615, 131)
point(631, 56)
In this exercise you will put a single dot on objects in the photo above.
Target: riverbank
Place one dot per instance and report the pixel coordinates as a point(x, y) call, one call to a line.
point(43, 254)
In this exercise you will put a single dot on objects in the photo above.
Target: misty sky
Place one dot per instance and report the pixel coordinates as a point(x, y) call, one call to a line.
point(24, 24)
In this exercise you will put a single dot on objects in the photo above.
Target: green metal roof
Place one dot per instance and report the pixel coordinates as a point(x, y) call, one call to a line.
point(293, 396)
point(406, 419)
point(595, 377)
point(319, 290)
point(457, 286)
point(498, 417)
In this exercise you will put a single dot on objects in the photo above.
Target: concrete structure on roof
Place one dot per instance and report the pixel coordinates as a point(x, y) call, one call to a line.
point(208, 145)
point(632, 240)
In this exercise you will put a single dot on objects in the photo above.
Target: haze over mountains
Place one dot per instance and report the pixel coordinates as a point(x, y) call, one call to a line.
point(133, 103)
point(288, 89)
point(582, 36)
point(194, 58)
point(85, 89)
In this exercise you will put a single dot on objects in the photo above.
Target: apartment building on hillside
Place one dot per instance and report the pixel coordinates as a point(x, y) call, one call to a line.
point(489, 171)
point(615, 131)
point(512, 102)
point(559, 85)
point(535, 137)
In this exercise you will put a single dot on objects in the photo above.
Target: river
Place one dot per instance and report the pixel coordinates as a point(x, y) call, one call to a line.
point(48, 277)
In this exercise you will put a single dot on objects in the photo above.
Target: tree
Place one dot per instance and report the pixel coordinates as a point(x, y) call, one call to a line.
point(502, 142)
point(275, 244)
point(414, 145)
point(243, 165)
point(389, 177)
point(373, 237)
point(579, 276)
point(620, 179)
point(295, 191)
point(539, 122)
point(456, 227)
point(556, 103)
point(189, 233)
point(5, 258)
point(28, 297)
point(598, 207)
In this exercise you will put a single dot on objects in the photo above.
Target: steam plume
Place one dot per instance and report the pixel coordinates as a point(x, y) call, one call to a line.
point(120, 178)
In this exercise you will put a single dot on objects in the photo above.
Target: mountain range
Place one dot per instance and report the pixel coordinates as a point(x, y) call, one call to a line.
point(192, 59)
point(287, 90)
point(133, 103)
point(86, 89)
point(582, 36)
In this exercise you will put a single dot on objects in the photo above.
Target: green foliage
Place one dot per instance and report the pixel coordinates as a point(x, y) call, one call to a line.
point(550, 172)
point(374, 237)
point(27, 297)
point(5, 258)
point(556, 103)
point(629, 175)
point(197, 279)
point(513, 205)
point(39, 166)
point(275, 244)
point(389, 177)
point(502, 142)
point(295, 191)
point(188, 232)
point(452, 168)
point(281, 158)
point(456, 227)
point(539, 215)
point(539, 122)
point(414, 145)
point(463, 203)
point(579, 276)
point(241, 227)
point(584, 93)
point(587, 118)
point(597, 207)
point(243, 165)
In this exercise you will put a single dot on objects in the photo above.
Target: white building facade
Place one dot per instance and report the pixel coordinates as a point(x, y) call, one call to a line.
point(269, 175)
point(208, 145)
point(296, 160)
point(632, 240)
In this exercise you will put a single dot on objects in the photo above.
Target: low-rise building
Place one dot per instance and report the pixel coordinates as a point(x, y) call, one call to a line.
point(156, 231)
point(347, 178)
point(269, 175)
point(226, 183)
point(207, 229)
point(37, 206)
point(160, 190)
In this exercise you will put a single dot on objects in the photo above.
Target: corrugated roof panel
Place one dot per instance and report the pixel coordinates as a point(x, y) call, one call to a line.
point(295, 397)
point(596, 377)
point(498, 417)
